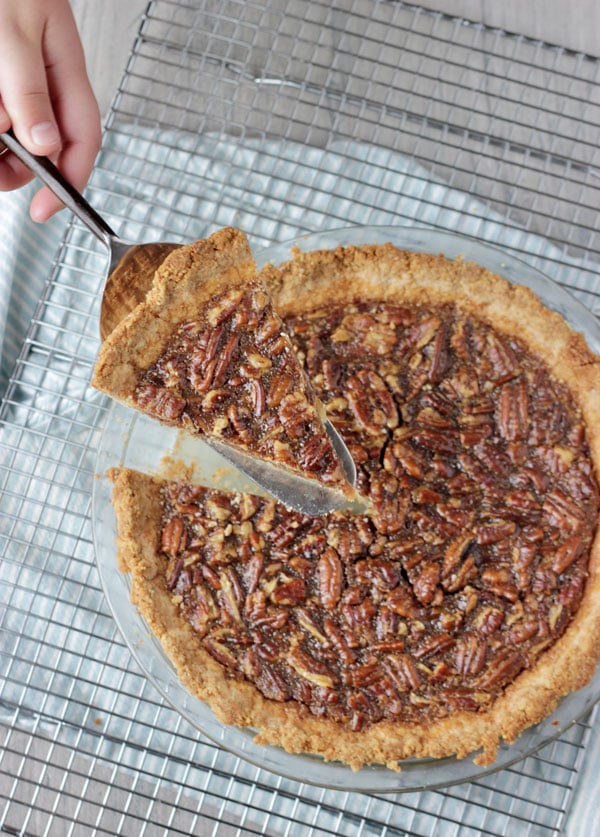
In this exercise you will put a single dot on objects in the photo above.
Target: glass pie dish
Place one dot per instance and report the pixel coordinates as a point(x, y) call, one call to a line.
point(133, 441)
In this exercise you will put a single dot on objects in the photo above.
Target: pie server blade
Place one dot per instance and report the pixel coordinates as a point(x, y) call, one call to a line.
point(306, 496)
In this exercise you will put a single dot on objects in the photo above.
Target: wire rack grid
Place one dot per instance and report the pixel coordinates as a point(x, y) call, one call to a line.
point(279, 117)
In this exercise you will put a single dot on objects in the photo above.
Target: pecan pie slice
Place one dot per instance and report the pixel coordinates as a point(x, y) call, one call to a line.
point(206, 352)
point(465, 604)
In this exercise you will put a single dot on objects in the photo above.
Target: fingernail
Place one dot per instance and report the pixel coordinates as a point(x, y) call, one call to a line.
point(45, 133)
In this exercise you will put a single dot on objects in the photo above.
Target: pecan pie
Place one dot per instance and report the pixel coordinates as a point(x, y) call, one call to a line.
point(465, 604)
point(206, 351)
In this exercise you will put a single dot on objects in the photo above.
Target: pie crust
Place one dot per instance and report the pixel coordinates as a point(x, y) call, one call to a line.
point(559, 661)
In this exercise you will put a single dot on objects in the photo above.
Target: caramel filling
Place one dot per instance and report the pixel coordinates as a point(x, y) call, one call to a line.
point(472, 562)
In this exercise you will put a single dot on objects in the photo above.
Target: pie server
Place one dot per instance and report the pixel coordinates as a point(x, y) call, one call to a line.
point(121, 294)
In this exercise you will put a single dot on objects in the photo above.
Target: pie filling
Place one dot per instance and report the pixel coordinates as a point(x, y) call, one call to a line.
point(473, 559)
point(233, 374)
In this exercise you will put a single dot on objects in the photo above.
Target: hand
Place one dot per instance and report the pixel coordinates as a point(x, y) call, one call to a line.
point(46, 96)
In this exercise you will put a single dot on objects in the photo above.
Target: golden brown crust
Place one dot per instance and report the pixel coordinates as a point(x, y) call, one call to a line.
point(384, 273)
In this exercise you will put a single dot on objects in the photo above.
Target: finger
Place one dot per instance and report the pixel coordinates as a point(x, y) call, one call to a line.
point(4, 118)
point(13, 174)
point(75, 162)
point(75, 108)
point(81, 142)
point(25, 93)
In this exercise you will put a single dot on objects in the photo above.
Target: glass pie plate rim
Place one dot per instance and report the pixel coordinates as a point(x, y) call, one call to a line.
point(123, 433)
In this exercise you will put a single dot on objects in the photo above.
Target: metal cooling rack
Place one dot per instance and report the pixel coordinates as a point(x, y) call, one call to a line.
point(280, 117)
